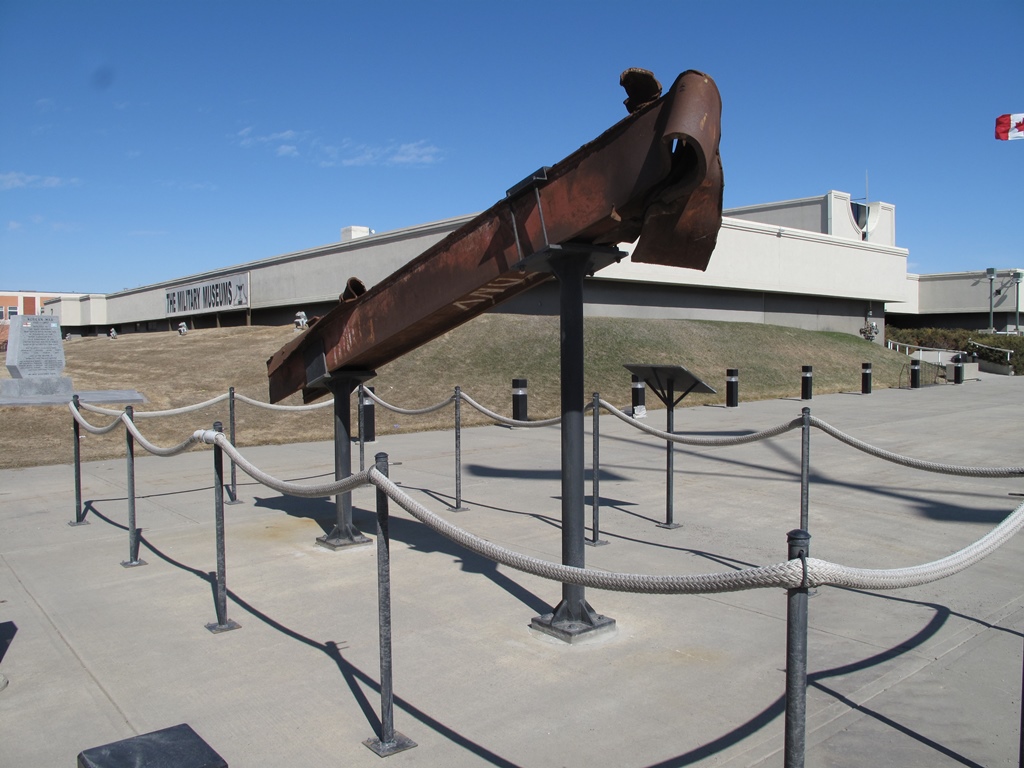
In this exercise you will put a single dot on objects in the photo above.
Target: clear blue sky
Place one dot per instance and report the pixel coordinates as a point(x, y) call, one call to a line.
point(147, 140)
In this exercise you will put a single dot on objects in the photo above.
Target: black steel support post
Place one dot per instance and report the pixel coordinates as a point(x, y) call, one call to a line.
point(732, 387)
point(595, 483)
point(133, 532)
point(344, 534)
point(233, 486)
point(573, 618)
point(223, 623)
point(457, 507)
point(915, 374)
point(77, 437)
point(389, 740)
point(519, 403)
point(796, 657)
point(805, 468)
point(806, 382)
point(865, 378)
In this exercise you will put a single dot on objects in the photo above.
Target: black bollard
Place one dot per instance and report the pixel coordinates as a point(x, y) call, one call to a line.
point(915, 374)
point(732, 387)
point(806, 382)
point(865, 378)
point(639, 397)
point(519, 400)
point(369, 418)
point(958, 373)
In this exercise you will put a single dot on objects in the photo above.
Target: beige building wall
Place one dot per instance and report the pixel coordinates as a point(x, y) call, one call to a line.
point(820, 263)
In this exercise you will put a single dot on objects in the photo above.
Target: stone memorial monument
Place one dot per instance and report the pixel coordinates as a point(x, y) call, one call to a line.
point(35, 359)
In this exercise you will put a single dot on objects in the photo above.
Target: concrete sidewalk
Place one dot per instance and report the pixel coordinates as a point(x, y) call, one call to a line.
point(929, 676)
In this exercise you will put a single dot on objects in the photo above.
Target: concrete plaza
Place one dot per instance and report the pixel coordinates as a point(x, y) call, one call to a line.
point(928, 676)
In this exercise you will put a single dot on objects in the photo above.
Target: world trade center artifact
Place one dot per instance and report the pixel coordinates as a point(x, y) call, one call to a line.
point(656, 175)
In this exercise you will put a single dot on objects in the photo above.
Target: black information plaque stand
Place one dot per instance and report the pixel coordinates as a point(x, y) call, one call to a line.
point(665, 381)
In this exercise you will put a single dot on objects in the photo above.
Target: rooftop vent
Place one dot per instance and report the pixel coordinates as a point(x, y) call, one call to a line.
point(353, 233)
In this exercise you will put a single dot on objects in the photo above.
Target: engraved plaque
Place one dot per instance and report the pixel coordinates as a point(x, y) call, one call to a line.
point(34, 347)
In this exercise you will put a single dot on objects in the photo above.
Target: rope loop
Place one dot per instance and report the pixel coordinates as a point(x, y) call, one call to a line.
point(409, 411)
point(507, 421)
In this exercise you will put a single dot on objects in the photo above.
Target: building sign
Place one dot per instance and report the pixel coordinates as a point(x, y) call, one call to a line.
point(227, 292)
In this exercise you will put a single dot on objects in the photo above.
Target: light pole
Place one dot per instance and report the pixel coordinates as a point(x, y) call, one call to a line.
point(1017, 276)
point(991, 272)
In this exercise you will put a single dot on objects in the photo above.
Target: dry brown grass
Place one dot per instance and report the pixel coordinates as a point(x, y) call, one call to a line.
point(482, 357)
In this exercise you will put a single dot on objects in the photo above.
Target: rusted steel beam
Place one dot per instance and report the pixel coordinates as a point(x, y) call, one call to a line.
point(655, 175)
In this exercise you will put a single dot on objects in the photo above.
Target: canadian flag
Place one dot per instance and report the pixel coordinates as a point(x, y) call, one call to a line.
point(1010, 127)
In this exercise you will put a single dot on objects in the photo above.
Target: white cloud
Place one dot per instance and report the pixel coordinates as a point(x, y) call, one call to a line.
point(292, 143)
point(417, 153)
point(19, 180)
point(13, 225)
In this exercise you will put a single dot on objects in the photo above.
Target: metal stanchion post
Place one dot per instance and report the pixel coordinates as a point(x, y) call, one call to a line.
point(595, 488)
point(390, 741)
point(796, 657)
point(865, 378)
point(915, 374)
point(77, 437)
point(133, 532)
point(806, 382)
point(805, 467)
point(958, 373)
point(233, 487)
point(223, 623)
point(670, 461)
point(458, 453)
point(362, 427)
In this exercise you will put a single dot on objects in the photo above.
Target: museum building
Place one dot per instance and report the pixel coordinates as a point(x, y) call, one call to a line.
point(821, 263)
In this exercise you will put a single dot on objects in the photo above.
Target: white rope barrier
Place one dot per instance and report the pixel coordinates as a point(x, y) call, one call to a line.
point(275, 407)
point(156, 450)
point(753, 437)
point(506, 421)
point(789, 574)
point(409, 411)
point(89, 427)
point(157, 414)
point(321, 490)
point(907, 461)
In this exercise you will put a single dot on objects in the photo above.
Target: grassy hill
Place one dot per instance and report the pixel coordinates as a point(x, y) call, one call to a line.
point(482, 357)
